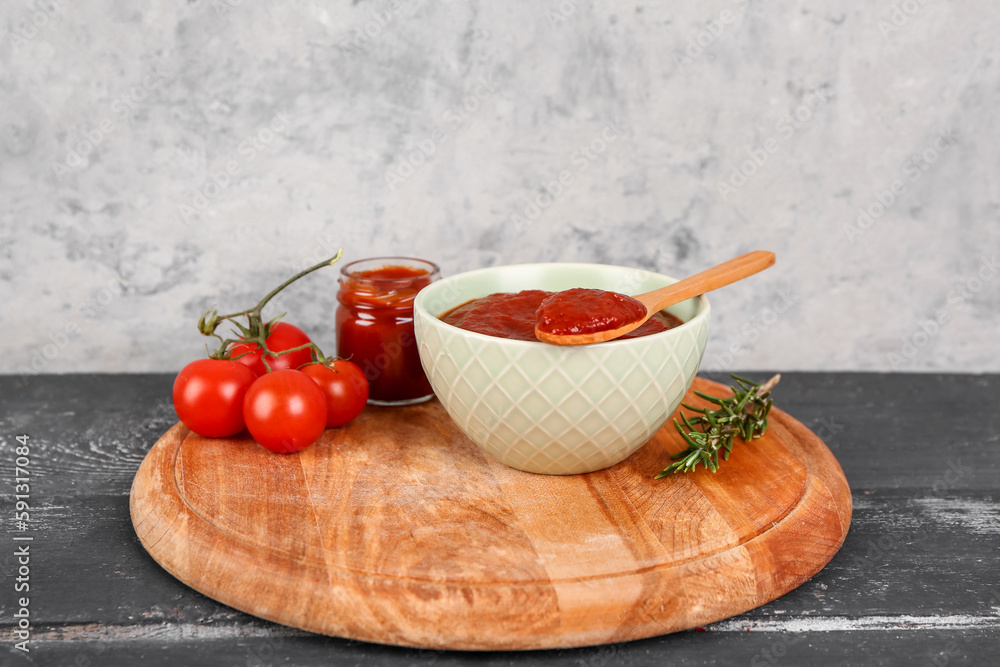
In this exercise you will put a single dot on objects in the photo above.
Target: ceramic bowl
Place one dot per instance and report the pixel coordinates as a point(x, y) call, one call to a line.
point(549, 409)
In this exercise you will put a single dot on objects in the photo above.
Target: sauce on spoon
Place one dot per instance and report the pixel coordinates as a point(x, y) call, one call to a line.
point(584, 311)
point(592, 329)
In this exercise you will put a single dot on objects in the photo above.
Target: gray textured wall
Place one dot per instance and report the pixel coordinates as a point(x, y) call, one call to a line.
point(430, 128)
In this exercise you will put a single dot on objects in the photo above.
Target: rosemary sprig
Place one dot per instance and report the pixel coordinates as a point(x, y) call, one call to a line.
point(712, 431)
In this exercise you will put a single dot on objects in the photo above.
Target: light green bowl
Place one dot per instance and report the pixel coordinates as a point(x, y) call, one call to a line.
point(557, 410)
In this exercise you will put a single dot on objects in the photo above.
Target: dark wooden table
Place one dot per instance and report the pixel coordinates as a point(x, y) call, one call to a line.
point(917, 581)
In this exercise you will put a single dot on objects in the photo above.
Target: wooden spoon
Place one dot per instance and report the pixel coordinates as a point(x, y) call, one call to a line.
point(718, 276)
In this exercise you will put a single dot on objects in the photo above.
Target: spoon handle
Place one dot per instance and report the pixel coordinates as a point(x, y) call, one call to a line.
point(718, 276)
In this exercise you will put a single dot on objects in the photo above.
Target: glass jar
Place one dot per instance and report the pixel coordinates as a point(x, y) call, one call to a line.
point(375, 325)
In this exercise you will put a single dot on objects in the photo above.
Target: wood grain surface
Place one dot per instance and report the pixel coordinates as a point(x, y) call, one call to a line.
point(915, 580)
point(397, 529)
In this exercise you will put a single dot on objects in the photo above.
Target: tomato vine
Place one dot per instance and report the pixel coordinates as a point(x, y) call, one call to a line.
point(256, 330)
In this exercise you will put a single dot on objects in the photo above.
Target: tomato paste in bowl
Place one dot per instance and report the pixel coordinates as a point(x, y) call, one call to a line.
point(546, 408)
point(514, 316)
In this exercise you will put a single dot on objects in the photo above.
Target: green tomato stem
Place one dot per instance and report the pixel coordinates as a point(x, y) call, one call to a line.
point(310, 345)
point(256, 331)
point(263, 302)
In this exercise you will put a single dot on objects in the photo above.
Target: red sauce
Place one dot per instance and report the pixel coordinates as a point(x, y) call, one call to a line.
point(585, 311)
point(514, 316)
point(413, 278)
point(375, 325)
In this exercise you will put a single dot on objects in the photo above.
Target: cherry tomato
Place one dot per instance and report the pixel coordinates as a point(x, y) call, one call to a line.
point(208, 396)
point(284, 336)
point(346, 390)
point(285, 411)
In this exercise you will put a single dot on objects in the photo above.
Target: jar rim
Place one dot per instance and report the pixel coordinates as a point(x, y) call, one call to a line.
point(348, 270)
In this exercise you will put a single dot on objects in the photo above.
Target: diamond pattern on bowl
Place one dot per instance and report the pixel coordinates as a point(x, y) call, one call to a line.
point(514, 383)
point(496, 399)
point(559, 410)
point(613, 404)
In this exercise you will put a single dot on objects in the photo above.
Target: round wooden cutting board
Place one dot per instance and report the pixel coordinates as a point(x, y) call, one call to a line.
point(397, 529)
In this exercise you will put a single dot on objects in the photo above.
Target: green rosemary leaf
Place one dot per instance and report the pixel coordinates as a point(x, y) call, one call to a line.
point(687, 436)
point(709, 432)
point(710, 399)
point(687, 422)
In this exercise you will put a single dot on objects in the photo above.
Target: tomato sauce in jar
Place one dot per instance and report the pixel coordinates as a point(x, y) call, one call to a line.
point(375, 325)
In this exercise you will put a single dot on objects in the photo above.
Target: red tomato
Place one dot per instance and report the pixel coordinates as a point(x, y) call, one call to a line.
point(284, 336)
point(285, 411)
point(208, 396)
point(346, 390)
